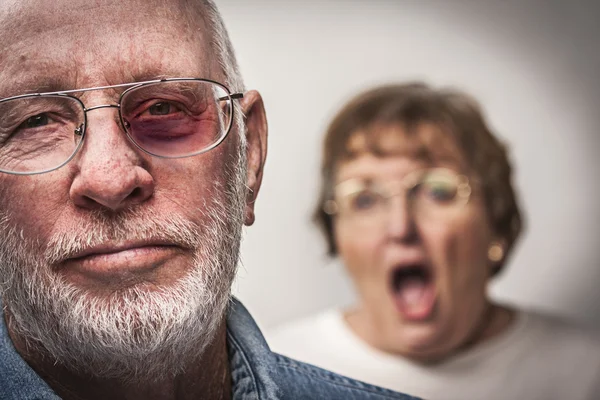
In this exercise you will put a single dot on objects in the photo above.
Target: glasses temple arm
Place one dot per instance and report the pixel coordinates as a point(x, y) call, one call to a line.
point(233, 96)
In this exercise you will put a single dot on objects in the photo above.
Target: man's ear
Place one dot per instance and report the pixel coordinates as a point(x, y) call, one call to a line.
point(256, 137)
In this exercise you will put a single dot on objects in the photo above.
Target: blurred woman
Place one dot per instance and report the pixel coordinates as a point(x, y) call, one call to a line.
point(417, 201)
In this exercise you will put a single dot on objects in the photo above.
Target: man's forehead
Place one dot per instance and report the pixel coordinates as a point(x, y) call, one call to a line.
point(53, 46)
point(39, 12)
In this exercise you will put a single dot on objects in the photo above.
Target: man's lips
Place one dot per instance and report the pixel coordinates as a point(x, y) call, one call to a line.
point(107, 249)
point(108, 261)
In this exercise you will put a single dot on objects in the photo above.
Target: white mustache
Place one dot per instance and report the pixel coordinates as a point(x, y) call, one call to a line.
point(100, 231)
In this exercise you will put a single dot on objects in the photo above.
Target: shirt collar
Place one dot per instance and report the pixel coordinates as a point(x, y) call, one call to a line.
point(17, 379)
point(251, 360)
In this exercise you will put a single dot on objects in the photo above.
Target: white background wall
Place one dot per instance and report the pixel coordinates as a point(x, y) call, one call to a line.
point(534, 65)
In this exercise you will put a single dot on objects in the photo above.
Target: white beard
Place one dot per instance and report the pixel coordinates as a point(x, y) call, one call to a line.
point(133, 333)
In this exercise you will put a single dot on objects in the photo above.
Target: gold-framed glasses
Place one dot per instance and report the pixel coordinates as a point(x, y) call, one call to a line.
point(166, 118)
point(436, 193)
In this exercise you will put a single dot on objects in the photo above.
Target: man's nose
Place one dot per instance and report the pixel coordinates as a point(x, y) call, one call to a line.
point(400, 222)
point(110, 173)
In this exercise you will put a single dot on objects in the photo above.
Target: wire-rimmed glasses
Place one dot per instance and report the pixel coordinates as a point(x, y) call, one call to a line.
point(436, 193)
point(167, 118)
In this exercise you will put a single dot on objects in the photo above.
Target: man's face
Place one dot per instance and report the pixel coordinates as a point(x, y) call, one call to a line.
point(116, 247)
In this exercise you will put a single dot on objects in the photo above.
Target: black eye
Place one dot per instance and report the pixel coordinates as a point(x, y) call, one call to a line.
point(35, 122)
point(160, 109)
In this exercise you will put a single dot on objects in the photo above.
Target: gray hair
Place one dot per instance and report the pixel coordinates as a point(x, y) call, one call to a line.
point(223, 47)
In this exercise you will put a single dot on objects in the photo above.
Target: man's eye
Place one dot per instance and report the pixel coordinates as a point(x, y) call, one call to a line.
point(162, 108)
point(35, 122)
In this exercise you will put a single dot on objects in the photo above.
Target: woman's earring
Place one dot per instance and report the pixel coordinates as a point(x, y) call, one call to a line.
point(495, 252)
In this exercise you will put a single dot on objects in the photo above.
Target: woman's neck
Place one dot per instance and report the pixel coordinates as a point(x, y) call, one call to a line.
point(494, 320)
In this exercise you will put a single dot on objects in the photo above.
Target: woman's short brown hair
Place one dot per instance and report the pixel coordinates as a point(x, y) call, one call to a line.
point(410, 106)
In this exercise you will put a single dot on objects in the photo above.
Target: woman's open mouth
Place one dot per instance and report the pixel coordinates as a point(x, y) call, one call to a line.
point(413, 291)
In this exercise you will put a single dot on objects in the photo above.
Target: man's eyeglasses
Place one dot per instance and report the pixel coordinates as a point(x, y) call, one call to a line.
point(167, 118)
point(436, 193)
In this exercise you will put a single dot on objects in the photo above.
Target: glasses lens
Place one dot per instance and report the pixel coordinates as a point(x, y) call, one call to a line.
point(434, 194)
point(437, 193)
point(358, 199)
point(177, 118)
point(39, 133)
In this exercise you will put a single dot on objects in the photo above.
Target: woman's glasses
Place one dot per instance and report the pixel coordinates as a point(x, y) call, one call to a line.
point(432, 193)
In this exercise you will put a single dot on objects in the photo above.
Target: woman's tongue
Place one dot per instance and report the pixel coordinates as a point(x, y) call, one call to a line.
point(414, 297)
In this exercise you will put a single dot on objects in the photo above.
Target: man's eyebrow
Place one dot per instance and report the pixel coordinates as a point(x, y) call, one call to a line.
point(151, 74)
point(36, 85)
point(148, 76)
point(41, 84)
point(161, 71)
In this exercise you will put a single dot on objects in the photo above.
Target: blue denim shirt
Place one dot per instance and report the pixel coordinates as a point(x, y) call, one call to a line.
point(256, 372)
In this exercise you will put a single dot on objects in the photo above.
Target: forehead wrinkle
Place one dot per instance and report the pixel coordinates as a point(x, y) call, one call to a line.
point(146, 58)
point(94, 21)
point(28, 84)
point(42, 16)
point(36, 73)
point(95, 18)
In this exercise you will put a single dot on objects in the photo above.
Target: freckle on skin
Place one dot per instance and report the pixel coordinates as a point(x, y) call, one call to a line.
point(22, 58)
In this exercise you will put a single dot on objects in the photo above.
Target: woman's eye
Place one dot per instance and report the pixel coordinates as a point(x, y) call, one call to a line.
point(163, 108)
point(441, 193)
point(365, 200)
point(35, 122)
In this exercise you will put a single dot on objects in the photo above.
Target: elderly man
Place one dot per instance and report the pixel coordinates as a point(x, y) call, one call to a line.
point(127, 169)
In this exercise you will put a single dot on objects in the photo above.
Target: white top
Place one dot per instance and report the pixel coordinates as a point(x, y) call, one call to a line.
point(536, 358)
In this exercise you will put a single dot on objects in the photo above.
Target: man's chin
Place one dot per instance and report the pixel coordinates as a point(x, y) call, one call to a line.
point(122, 296)
point(123, 333)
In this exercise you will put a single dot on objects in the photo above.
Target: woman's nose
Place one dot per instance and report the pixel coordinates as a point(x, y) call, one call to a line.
point(400, 221)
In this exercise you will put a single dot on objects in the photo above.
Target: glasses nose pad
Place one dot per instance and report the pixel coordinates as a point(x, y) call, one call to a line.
point(79, 130)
